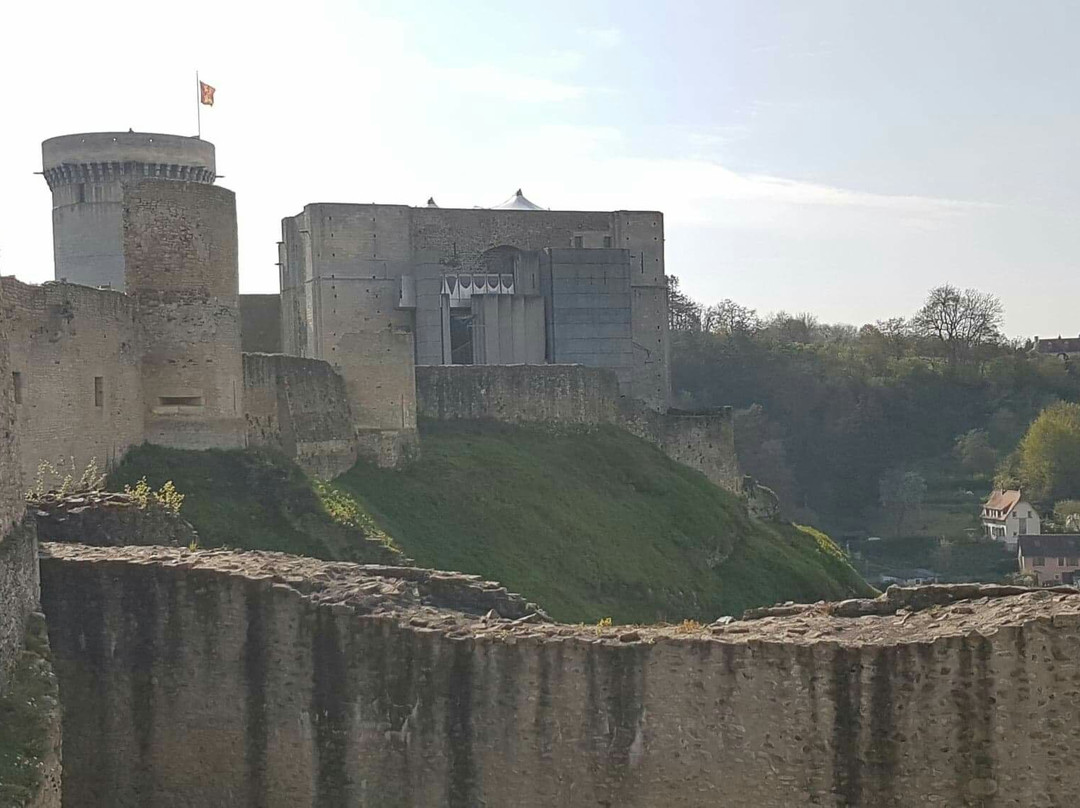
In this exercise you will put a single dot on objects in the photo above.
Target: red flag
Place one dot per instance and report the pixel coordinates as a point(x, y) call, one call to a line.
point(206, 94)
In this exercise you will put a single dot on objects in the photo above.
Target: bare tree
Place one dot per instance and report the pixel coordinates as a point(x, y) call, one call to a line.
point(960, 320)
point(728, 317)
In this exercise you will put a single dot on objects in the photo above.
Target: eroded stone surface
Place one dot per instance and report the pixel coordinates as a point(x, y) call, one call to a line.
point(218, 678)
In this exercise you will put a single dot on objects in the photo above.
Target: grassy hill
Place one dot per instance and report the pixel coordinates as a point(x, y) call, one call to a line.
point(590, 525)
point(255, 500)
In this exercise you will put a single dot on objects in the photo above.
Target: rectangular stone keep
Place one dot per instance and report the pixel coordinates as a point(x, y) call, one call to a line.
point(329, 243)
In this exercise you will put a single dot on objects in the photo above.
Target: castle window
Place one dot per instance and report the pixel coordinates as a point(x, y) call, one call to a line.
point(180, 401)
point(99, 391)
point(579, 242)
point(16, 379)
point(607, 242)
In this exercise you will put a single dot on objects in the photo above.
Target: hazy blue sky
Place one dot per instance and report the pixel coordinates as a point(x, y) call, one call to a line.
point(826, 156)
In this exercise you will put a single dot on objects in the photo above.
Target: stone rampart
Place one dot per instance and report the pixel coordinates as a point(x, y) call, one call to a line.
point(216, 678)
point(703, 440)
point(299, 406)
point(78, 394)
point(564, 394)
point(578, 395)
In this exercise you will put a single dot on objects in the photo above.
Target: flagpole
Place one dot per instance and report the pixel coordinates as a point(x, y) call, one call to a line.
point(198, 104)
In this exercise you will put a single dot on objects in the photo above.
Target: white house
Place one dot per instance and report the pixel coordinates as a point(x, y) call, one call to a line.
point(1006, 515)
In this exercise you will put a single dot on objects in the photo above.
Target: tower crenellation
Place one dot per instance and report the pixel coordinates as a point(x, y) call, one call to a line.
point(87, 174)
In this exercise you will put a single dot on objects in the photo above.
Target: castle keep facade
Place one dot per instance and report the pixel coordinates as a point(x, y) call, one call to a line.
point(379, 289)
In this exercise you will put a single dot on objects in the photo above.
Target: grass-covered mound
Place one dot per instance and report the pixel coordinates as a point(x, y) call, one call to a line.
point(592, 525)
point(588, 524)
point(256, 499)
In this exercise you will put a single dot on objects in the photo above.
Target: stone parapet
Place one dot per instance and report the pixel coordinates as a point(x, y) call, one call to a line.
point(261, 679)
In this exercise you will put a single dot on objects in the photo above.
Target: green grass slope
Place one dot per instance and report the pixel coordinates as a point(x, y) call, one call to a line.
point(592, 525)
point(254, 499)
point(588, 524)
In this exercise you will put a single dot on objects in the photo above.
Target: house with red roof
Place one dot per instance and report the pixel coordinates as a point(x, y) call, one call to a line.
point(1006, 515)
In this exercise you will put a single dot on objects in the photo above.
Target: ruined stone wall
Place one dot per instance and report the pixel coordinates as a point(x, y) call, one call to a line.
point(181, 263)
point(566, 394)
point(11, 483)
point(220, 678)
point(260, 323)
point(704, 441)
point(18, 593)
point(76, 351)
point(586, 396)
point(299, 406)
point(19, 583)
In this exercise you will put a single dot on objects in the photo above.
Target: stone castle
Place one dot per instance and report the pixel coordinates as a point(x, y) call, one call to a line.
point(213, 678)
point(144, 335)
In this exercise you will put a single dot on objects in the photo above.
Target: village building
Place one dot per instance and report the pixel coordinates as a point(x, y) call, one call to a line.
point(1064, 348)
point(1054, 559)
point(1006, 515)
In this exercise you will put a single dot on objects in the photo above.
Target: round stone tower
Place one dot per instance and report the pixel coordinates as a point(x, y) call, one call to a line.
point(180, 256)
point(87, 175)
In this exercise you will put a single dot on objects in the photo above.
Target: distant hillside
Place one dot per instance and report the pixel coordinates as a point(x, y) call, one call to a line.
point(589, 525)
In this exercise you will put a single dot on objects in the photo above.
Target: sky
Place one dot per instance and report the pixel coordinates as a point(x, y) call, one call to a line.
point(824, 156)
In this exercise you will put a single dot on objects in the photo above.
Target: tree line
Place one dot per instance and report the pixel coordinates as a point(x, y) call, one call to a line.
point(837, 418)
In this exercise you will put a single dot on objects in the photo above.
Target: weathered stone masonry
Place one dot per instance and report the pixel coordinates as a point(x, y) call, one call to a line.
point(20, 626)
point(76, 354)
point(578, 395)
point(300, 407)
point(18, 547)
point(255, 679)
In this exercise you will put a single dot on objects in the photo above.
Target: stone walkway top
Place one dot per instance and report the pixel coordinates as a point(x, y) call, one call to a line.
point(465, 605)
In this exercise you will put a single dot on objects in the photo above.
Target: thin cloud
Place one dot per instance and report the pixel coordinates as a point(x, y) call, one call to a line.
point(490, 80)
point(603, 37)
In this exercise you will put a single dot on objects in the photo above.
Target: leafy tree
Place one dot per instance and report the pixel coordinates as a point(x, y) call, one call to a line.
point(961, 321)
point(793, 328)
point(974, 452)
point(683, 313)
point(1067, 514)
point(1050, 453)
point(901, 492)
